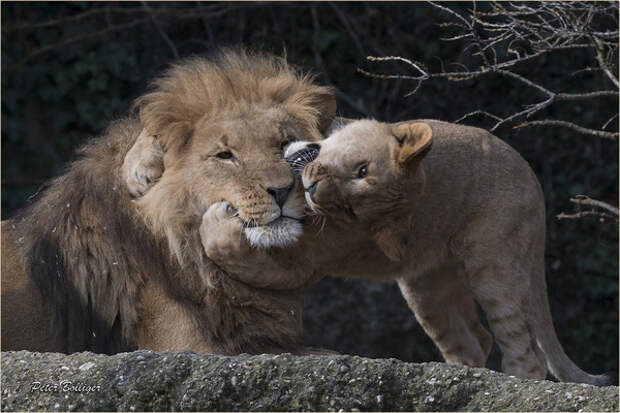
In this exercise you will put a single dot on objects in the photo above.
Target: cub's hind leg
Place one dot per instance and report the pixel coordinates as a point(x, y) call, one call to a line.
point(502, 292)
point(445, 308)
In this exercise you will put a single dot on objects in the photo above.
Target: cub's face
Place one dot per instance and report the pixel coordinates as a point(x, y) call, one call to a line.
point(361, 170)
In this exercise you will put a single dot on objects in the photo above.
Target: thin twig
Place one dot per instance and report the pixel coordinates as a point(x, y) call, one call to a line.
point(74, 39)
point(527, 31)
point(602, 63)
point(610, 212)
point(609, 121)
point(74, 18)
point(478, 112)
point(585, 200)
point(161, 30)
point(581, 214)
point(573, 126)
point(347, 25)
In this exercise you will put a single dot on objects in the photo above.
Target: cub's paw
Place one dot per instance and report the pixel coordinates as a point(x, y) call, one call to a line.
point(221, 233)
point(143, 164)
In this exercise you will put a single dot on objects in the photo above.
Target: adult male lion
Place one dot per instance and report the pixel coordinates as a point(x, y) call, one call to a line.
point(85, 268)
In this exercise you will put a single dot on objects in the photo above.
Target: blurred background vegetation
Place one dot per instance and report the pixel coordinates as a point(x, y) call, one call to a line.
point(68, 69)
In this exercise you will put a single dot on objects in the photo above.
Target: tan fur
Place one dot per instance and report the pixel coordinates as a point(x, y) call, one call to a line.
point(109, 274)
point(463, 224)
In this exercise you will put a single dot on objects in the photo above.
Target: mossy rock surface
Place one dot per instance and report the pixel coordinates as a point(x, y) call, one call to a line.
point(145, 380)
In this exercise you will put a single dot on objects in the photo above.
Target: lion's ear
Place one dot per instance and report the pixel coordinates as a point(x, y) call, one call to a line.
point(327, 110)
point(162, 114)
point(412, 139)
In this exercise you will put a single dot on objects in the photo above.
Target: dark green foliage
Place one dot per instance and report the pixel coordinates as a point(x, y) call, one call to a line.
point(54, 100)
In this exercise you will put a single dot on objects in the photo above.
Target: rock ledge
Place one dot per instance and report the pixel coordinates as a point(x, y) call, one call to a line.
point(145, 380)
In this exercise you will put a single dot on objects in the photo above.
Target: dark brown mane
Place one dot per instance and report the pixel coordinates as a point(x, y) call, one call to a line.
point(86, 251)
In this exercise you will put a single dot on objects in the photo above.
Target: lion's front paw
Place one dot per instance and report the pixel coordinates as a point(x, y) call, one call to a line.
point(143, 165)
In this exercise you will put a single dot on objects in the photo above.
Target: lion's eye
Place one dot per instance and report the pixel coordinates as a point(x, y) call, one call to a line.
point(224, 155)
point(362, 171)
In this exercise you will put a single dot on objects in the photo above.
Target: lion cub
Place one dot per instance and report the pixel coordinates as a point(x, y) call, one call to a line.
point(463, 215)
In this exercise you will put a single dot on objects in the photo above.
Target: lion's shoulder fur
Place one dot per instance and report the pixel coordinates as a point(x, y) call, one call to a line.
point(84, 248)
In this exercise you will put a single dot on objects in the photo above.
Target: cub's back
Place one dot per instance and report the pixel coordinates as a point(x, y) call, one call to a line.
point(470, 173)
point(477, 159)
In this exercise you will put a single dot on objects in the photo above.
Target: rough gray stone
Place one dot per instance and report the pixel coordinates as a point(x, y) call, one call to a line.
point(145, 380)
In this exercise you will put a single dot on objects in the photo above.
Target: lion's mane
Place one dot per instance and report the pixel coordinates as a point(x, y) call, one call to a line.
point(82, 240)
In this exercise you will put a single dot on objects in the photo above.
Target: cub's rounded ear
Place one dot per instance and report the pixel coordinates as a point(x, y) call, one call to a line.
point(412, 139)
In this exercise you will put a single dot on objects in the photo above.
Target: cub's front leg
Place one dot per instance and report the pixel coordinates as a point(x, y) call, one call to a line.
point(143, 164)
point(223, 238)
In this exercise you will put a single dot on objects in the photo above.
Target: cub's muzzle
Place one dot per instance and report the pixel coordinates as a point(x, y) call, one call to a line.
point(311, 188)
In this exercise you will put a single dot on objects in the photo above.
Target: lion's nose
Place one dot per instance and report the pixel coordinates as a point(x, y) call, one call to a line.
point(280, 194)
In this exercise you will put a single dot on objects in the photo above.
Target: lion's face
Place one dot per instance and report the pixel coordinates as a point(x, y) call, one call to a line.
point(222, 125)
point(361, 171)
point(240, 160)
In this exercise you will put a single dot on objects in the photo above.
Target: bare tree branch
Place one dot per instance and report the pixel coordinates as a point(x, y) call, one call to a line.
point(585, 200)
point(609, 211)
point(573, 126)
point(581, 214)
point(74, 39)
point(347, 25)
point(512, 34)
point(143, 14)
point(74, 18)
point(160, 29)
point(602, 61)
point(609, 121)
point(601, 215)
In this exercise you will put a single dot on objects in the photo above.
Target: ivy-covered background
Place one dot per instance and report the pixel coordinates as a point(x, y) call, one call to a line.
point(68, 69)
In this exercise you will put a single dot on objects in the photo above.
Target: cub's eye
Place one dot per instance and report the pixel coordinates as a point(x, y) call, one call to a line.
point(224, 155)
point(362, 171)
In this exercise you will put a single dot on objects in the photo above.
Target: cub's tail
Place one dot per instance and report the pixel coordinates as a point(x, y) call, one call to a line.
point(558, 362)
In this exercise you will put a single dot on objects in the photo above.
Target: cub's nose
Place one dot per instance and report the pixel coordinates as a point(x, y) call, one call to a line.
point(311, 188)
point(280, 194)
